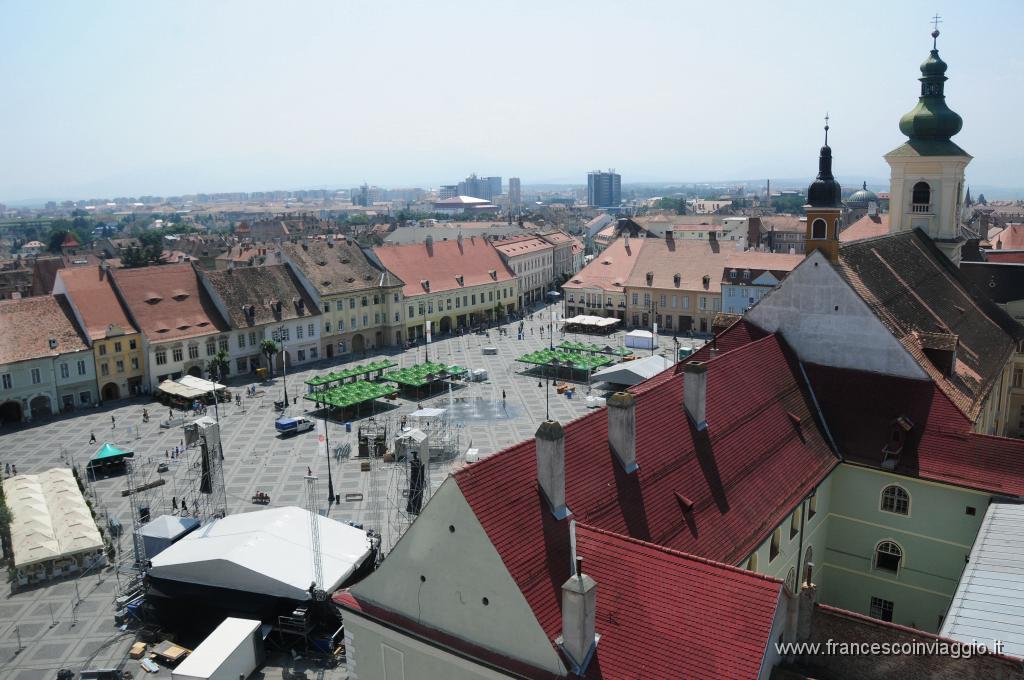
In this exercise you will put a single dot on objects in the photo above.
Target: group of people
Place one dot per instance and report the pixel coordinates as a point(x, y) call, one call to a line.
point(10, 470)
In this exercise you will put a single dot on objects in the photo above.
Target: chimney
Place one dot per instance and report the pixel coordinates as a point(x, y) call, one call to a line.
point(622, 429)
point(550, 443)
point(579, 618)
point(695, 392)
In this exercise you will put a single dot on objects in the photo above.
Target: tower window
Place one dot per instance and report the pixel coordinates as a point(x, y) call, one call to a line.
point(819, 229)
point(922, 194)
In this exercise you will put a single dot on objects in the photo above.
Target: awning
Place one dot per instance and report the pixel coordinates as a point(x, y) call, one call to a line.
point(183, 391)
point(199, 383)
point(108, 451)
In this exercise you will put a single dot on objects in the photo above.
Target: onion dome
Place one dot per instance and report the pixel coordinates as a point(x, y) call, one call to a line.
point(824, 191)
point(862, 197)
point(931, 119)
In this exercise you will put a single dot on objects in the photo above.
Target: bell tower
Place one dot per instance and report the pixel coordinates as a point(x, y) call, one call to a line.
point(927, 172)
point(824, 206)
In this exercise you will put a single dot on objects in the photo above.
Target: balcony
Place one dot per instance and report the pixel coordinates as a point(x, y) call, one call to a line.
point(921, 208)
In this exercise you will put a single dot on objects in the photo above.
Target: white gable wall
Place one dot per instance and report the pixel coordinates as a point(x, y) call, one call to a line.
point(827, 323)
point(439, 578)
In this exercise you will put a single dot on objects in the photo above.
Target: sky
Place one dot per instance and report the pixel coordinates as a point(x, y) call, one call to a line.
point(105, 99)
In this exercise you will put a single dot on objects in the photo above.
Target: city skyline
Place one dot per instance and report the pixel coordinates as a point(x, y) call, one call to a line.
point(233, 102)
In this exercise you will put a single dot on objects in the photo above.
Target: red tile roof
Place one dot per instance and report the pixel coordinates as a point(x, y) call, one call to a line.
point(521, 245)
point(692, 260)
point(441, 262)
point(672, 614)
point(860, 407)
point(610, 269)
point(744, 475)
point(1005, 256)
point(92, 294)
point(1010, 238)
point(868, 226)
point(27, 325)
point(167, 302)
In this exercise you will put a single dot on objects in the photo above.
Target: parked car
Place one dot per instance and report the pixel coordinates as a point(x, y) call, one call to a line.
point(289, 426)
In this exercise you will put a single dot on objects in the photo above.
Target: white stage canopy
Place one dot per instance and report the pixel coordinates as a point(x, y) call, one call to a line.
point(266, 552)
point(632, 372)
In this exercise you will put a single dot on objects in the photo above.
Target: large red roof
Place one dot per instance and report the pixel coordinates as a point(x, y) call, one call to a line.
point(860, 407)
point(762, 453)
point(167, 302)
point(439, 263)
point(93, 297)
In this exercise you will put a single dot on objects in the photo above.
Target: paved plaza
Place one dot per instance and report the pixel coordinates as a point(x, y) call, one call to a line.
point(69, 624)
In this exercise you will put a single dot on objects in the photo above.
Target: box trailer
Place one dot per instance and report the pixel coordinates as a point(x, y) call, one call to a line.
point(234, 650)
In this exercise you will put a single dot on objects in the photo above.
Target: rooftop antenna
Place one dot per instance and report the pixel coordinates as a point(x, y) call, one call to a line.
point(936, 20)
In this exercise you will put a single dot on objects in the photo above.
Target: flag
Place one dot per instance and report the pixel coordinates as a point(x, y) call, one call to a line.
point(429, 324)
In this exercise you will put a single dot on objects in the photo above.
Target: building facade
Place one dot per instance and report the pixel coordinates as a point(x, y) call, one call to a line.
point(450, 285)
point(532, 260)
point(515, 193)
point(361, 302)
point(599, 288)
point(117, 345)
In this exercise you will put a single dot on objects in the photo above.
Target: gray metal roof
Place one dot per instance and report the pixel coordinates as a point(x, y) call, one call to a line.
point(989, 600)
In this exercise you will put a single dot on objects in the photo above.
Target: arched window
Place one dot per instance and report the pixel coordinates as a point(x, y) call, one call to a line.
point(895, 499)
point(791, 580)
point(888, 556)
point(819, 229)
point(922, 194)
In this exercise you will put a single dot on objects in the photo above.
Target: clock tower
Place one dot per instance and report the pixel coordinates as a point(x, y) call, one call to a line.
point(927, 171)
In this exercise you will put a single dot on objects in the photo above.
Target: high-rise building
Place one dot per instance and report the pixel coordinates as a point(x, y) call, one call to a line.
point(515, 194)
point(448, 191)
point(604, 189)
point(487, 188)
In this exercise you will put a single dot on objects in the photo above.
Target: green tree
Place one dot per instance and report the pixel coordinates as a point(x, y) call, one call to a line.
point(150, 251)
point(219, 366)
point(269, 348)
point(6, 517)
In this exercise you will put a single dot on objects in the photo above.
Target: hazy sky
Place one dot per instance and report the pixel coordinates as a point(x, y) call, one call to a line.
point(129, 98)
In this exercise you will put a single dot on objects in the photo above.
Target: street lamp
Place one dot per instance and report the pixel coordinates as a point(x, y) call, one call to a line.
point(278, 336)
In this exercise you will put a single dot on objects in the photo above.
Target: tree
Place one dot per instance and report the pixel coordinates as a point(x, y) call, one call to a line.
point(150, 251)
point(219, 366)
point(270, 349)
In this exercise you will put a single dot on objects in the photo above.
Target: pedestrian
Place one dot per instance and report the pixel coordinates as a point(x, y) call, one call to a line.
point(503, 396)
point(309, 471)
point(92, 437)
point(7, 469)
point(184, 508)
point(113, 422)
point(14, 470)
point(167, 454)
point(174, 502)
point(181, 443)
point(170, 412)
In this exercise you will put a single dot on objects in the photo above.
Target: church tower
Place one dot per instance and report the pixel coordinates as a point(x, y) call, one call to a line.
point(824, 206)
point(927, 178)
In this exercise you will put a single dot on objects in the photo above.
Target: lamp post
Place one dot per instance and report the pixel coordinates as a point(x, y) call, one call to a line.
point(278, 336)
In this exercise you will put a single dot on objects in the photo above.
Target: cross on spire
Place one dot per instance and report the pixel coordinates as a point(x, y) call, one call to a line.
point(826, 128)
point(936, 20)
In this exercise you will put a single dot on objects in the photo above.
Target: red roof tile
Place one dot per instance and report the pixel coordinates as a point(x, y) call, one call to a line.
point(92, 295)
point(521, 245)
point(441, 262)
point(868, 226)
point(1010, 238)
point(860, 408)
point(26, 326)
point(1005, 256)
point(167, 302)
point(744, 475)
point(610, 269)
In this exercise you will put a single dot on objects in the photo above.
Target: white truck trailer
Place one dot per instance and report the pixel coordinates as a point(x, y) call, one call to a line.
point(234, 650)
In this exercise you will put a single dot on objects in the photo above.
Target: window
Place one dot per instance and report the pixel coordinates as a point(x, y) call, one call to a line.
point(662, 301)
point(341, 325)
point(298, 332)
point(176, 354)
point(285, 334)
point(636, 298)
point(794, 524)
point(5, 380)
point(774, 548)
point(895, 499)
point(211, 347)
point(252, 338)
point(135, 363)
point(222, 343)
point(161, 357)
point(686, 302)
point(752, 562)
point(353, 325)
point(376, 317)
point(397, 316)
point(36, 376)
point(117, 347)
point(921, 195)
point(819, 229)
point(647, 299)
point(103, 349)
point(791, 580)
point(241, 341)
point(376, 300)
point(131, 344)
point(396, 297)
point(65, 372)
point(339, 305)
point(366, 320)
point(812, 505)
point(193, 351)
point(301, 354)
point(1018, 377)
point(120, 365)
point(312, 352)
point(351, 303)
point(104, 369)
point(81, 367)
point(240, 364)
point(412, 311)
point(327, 307)
point(311, 330)
point(364, 301)
point(881, 609)
point(703, 303)
point(84, 397)
point(888, 556)
point(473, 298)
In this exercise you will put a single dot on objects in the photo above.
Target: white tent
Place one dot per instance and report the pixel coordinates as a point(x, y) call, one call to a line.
point(266, 552)
point(585, 320)
point(641, 339)
point(51, 519)
point(195, 383)
point(179, 390)
point(632, 372)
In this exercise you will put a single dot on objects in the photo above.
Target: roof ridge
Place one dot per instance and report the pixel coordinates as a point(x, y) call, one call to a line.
point(679, 553)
